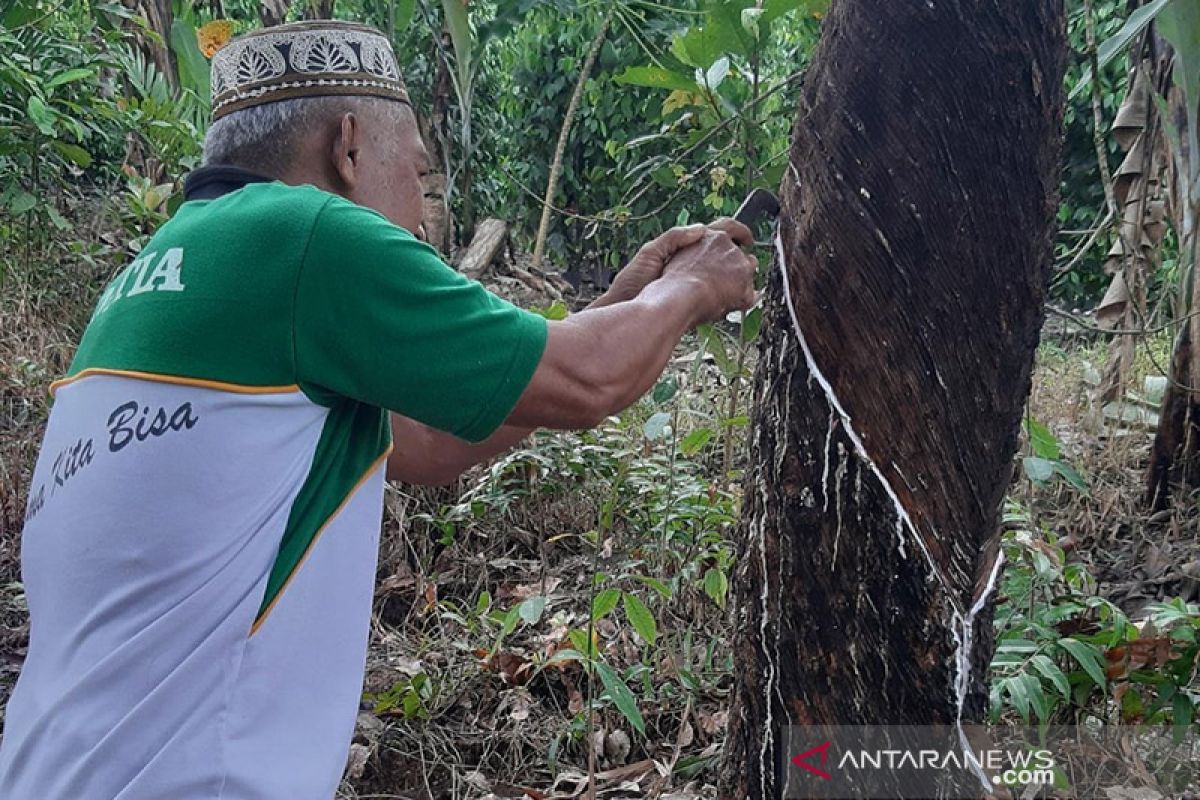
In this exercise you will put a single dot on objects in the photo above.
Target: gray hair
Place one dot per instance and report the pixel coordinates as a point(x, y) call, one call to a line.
point(263, 138)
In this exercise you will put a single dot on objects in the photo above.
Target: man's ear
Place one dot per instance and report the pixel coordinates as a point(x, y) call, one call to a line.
point(344, 153)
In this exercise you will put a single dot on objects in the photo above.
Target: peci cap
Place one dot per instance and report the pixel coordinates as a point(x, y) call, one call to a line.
point(304, 59)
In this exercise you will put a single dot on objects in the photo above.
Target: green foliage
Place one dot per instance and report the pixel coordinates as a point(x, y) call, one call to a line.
point(50, 120)
point(411, 698)
point(1082, 203)
point(637, 159)
point(1063, 653)
point(1046, 462)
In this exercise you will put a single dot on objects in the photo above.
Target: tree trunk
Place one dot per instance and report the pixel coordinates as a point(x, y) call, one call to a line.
point(435, 130)
point(490, 238)
point(273, 12)
point(318, 9)
point(1175, 456)
point(564, 134)
point(902, 317)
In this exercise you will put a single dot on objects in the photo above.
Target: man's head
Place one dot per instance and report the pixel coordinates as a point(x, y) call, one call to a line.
point(320, 103)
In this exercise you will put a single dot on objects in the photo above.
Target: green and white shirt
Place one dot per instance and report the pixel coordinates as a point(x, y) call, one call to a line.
point(199, 548)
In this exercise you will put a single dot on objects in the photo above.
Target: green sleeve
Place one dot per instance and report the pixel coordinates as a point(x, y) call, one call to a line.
point(381, 319)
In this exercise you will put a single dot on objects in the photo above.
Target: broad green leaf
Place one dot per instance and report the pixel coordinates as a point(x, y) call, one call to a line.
point(695, 441)
point(41, 115)
point(621, 696)
point(640, 618)
point(750, 18)
point(57, 219)
point(1132, 705)
point(1037, 695)
point(721, 34)
point(193, 66)
point(404, 14)
point(604, 603)
point(1138, 20)
point(458, 22)
point(1051, 672)
point(511, 620)
point(716, 73)
point(657, 78)
point(1013, 651)
point(73, 153)
point(655, 584)
point(1182, 713)
point(664, 390)
point(1039, 470)
point(1018, 693)
point(566, 654)
point(656, 425)
point(20, 202)
point(1071, 476)
point(21, 13)
point(716, 585)
point(531, 609)
point(715, 346)
point(995, 701)
point(76, 74)
point(752, 324)
point(579, 639)
point(1041, 440)
point(1087, 657)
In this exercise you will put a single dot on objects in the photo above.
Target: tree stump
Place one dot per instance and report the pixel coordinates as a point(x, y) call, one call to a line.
point(490, 236)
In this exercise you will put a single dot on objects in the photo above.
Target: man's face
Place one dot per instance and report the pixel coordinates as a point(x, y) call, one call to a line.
point(392, 161)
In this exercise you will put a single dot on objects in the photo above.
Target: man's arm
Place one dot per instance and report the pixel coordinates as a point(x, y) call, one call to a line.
point(600, 361)
point(429, 457)
point(596, 362)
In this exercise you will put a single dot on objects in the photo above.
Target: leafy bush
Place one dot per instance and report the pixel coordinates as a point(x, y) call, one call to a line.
point(1064, 654)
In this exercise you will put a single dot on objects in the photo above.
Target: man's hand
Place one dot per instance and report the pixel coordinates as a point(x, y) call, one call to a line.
point(717, 263)
point(648, 264)
point(600, 360)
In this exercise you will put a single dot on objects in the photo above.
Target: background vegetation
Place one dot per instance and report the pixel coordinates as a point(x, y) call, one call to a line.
point(563, 611)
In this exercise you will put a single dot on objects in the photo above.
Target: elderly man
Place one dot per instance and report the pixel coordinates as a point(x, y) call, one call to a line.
point(200, 543)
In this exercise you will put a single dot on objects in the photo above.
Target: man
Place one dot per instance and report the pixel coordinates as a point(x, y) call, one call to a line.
point(200, 543)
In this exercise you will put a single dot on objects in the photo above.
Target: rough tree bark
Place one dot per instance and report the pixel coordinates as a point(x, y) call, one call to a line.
point(918, 216)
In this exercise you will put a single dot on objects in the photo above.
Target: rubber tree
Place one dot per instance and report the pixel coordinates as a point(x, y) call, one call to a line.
point(900, 322)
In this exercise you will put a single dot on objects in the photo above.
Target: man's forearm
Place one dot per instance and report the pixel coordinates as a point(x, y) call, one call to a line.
point(429, 457)
point(601, 360)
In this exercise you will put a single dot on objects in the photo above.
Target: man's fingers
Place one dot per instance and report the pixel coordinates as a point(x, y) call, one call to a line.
point(740, 234)
point(676, 239)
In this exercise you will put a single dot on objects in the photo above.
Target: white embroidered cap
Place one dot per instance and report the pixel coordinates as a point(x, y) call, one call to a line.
point(304, 59)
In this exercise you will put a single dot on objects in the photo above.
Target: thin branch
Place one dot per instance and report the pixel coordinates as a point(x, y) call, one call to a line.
point(585, 72)
point(1088, 326)
point(1098, 111)
point(1082, 250)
